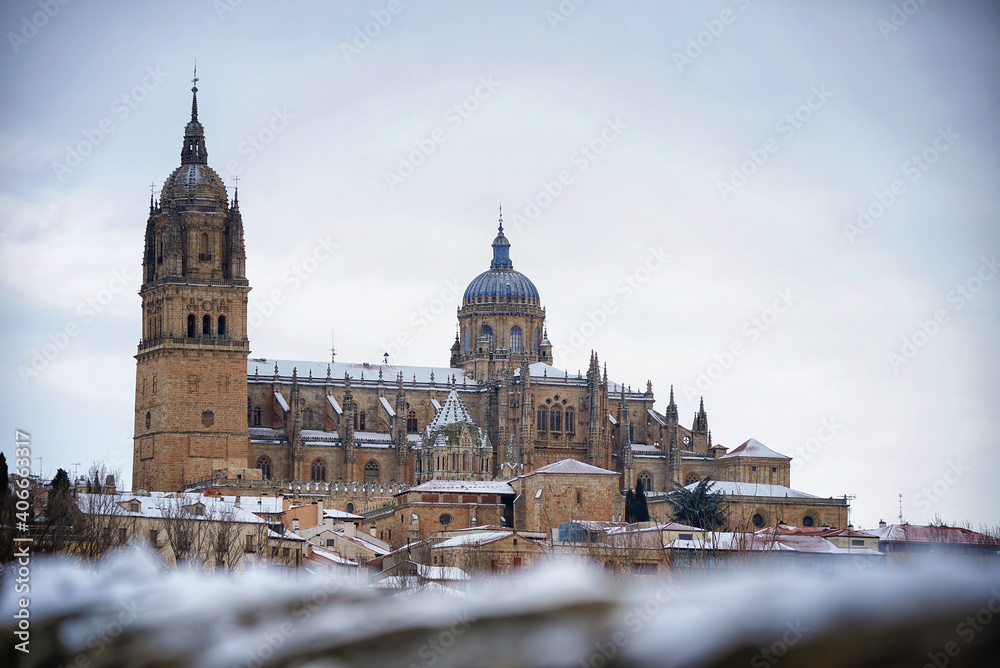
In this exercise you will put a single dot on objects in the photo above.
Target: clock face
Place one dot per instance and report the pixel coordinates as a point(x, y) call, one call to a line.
point(686, 440)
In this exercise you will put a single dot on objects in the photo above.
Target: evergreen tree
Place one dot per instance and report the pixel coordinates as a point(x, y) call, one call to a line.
point(629, 506)
point(60, 514)
point(699, 507)
point(640, 511)
point(6, 513)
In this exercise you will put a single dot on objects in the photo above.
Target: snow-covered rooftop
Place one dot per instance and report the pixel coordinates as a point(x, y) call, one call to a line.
point(571, 466)
point(452, 412)
point(731, 488)
point(472, 539)
point(466, 486)
point(264, 368)
point(754, 448)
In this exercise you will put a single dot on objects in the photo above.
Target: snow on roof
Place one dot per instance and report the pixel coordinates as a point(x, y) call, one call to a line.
point(281, 401)
point(436, 404)
point(165, 505)
point(646, 448)
point(319, 554)
point(467, 486)
point(264, 368)
point(753, 489)
point(452, 412)
point(257, 504)
point(916, 533)
point(571, 466)
point(385, 404)
point(441, 572)
point(656, 417)
point(340, 514)
point(267, 434)
point(611, 419)
point(336, 406)
point(472, 539)
point(754, 448)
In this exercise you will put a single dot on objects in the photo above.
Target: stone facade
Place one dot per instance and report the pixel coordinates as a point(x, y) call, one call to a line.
point(312, 427)
point(563, 492)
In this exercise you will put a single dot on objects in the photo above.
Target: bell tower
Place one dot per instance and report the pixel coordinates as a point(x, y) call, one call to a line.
point(191, 372)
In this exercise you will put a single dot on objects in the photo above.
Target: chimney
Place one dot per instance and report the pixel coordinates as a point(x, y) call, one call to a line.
point(237, 503)
point(881, 524)
point(349, 529)
point(319, 512)
point(295, 524)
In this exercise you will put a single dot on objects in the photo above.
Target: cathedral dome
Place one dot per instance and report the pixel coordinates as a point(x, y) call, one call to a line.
point(501, 283)
point(193, 181)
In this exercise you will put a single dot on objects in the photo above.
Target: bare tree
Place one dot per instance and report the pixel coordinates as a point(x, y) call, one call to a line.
point(183, 524)
point(225, 538)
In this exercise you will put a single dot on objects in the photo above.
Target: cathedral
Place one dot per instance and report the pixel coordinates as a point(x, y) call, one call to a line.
point(206, 413)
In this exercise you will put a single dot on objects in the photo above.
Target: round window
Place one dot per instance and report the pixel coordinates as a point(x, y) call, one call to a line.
point(808, 521)
point(445, 519)
point(758, 520)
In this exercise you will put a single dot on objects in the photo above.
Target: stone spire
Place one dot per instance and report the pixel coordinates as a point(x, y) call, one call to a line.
point(194, 150)
point(700, 419)
point(501, 249)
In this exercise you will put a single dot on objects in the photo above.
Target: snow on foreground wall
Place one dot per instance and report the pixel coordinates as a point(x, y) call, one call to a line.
point(131, 613)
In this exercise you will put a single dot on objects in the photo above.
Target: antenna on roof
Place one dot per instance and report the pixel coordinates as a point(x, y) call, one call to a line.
point(333, 348)
point(900, 508)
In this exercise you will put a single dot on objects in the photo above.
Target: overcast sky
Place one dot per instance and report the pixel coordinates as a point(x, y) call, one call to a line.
point(790, 209)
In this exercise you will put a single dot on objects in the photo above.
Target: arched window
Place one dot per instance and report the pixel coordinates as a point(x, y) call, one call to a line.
point(264, 464)
point(570, 422)
point(203, 248)
point(361, 421)
point(690, 479)
point(541, 419)
point(191, 326)
point(206, 327)
point(222, 326)
point(488, 333)
point(465, 336)
point(350, 507)
point(808, 521)
point(555, 420)
point(371, 472)
point(515, 339)
point(318, 470)
point(646, 481)
point(256, 416)
point(411, 422)
point(307, 418)
point(465, 461)
point(538, 341)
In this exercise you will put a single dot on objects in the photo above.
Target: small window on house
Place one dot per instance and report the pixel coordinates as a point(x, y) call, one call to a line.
point(248, 546)
point(856, 542)
point(330, 542)
point(685, 536)
point(774, 469)
point(285, 551)
point(153, 537)
point(753, 468)
point(133, 507)
point(515, 541)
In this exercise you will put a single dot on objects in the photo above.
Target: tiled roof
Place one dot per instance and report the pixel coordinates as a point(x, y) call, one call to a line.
point(571, 466)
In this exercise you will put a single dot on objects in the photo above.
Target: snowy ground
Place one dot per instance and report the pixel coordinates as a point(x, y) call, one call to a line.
point(131, 613)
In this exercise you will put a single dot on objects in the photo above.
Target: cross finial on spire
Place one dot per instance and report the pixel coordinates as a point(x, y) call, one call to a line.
point(152, 188)
point(194, 94)
point(501, 218)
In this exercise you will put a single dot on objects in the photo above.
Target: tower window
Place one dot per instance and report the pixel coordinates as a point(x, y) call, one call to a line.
point(371, 472)
point(570, 422)
point(646, 481)
point(361, 421)
point(488, 333)
point(411, 422)
point(206, 327)
point(264, 464)
point(555, 420)
point(307, 418)
point(465, 335)
point(256, 416)
point(191, 326)
point(538, 340)
point(515, 339)
point(318, 470)
point(541, 419)
point(222, 326)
